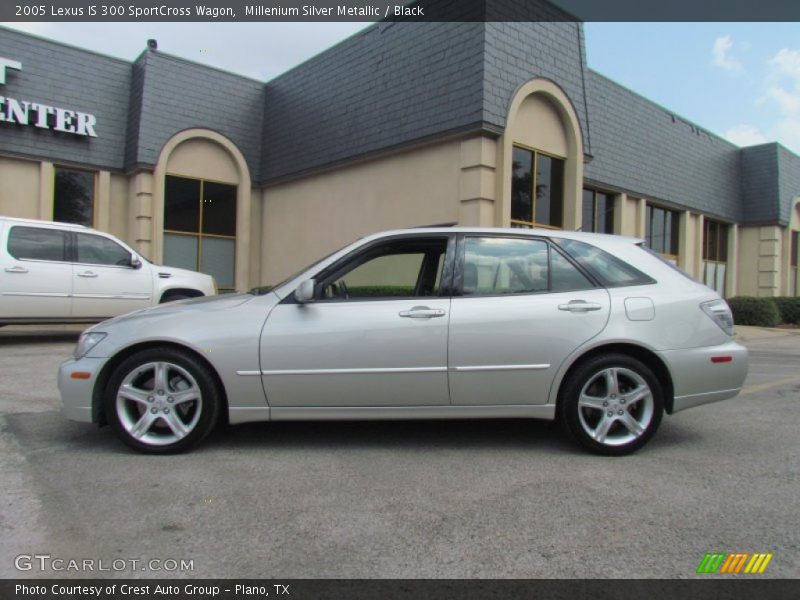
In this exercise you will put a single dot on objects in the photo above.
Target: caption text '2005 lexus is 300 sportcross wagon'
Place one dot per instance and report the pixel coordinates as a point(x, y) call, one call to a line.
point(593, 330)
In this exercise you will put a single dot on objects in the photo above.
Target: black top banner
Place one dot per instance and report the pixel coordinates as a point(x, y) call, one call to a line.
point(397, 10)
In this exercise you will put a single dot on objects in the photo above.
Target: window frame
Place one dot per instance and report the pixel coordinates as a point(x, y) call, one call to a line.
point(534, 169)
point(675, 214)
point(611, 197)
point(458, 274)
point(94, 174)
point(794, 270)
point(362, 254)
point(199, 234)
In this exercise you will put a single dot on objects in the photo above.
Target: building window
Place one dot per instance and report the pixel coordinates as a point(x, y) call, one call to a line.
point(661, 231)
point(598, 212)
point(73, 196)
point(715, 254)
point(795, 249)
point(200, 227)
point(537, 189)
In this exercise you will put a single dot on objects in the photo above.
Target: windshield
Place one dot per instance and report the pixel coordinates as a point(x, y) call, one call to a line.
point(264, 289)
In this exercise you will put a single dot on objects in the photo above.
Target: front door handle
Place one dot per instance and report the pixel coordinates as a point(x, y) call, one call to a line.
point(87, 274)
point(16, 270)
point(422, 312)
point(579, 306)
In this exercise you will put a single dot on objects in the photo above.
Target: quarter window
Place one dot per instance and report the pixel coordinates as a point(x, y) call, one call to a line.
point(662, 231)
point(200, 227)
point(34, 243)
point(498, 266)
point(537, 189)
point(598, 212)
point(73, 196)
point(98, 250)
point(606, 268)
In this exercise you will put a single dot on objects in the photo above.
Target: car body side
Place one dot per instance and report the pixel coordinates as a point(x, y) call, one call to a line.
point(228, 334)
point(148, 282)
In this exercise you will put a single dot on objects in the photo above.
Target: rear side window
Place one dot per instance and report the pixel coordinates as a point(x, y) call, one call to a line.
point(608, 269)
point(35, 243)
point(498, 266)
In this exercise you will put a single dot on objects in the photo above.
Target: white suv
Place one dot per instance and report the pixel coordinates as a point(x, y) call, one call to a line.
point(63, 273)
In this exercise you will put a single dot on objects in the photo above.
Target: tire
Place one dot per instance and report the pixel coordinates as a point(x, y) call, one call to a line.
point(611, 404)
point(179, 417)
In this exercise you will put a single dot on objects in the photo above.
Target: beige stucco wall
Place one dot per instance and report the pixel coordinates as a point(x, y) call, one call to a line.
point(305, 219)
point(19, 188)
point(203, 159)
point(538, 125)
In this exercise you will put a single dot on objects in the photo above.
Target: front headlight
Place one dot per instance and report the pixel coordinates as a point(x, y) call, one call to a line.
point(86, 342)
point(720, 313)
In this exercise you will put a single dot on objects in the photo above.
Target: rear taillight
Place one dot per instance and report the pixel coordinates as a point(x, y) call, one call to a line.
point(719, 312)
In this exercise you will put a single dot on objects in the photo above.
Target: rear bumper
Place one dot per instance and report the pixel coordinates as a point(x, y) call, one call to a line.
point(76, 394)
point(699, 380)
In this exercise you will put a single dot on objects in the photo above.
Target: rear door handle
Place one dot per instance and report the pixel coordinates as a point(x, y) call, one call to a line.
point(87, 274)
point(580, 306)
point(422, 312)
point(16, 270)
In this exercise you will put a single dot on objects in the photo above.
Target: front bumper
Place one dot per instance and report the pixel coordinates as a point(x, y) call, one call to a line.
point(699, 380)
point(76, 394)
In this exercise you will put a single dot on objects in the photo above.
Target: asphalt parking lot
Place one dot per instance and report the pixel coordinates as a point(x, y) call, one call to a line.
point(401, 499)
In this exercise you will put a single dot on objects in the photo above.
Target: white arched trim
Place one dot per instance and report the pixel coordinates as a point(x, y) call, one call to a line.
point(573, 173)
point(243, 198)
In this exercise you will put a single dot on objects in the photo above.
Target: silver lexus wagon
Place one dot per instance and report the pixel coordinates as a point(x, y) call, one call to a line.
point(594, 330)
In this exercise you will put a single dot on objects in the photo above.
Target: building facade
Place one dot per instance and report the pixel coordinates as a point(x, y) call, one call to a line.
point(403, 124)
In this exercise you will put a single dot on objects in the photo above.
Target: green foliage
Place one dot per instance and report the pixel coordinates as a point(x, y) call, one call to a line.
point(380, 291)
point(749, 310)
point(789, 309)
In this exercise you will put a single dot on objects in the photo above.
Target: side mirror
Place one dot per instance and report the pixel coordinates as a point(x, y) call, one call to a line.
point(136, 262)
point(305, 291)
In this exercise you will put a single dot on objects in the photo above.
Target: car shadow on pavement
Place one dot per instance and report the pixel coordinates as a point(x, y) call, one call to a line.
point(398, 435)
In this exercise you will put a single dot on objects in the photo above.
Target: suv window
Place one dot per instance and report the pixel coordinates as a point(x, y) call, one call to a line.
point(407, 268)
point(37, 243)
point(608, 269)
point(98, 250)
point(496, 265)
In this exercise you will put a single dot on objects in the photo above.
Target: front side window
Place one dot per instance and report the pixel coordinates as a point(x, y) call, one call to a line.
point(715, 254)
point(402, 269)
point(200, 227)
point(35, 243)
point(498, 266)
point(98, 250)
point(598, 212)
point(537, 189)
point(73, 196)
point(662, 226)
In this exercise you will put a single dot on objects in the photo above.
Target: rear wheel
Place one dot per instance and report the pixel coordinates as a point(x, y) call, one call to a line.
point(162, 400)
point(611, 404)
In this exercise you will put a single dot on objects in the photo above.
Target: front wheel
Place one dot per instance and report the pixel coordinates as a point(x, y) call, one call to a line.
point(611, 404)
point(162, 400)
